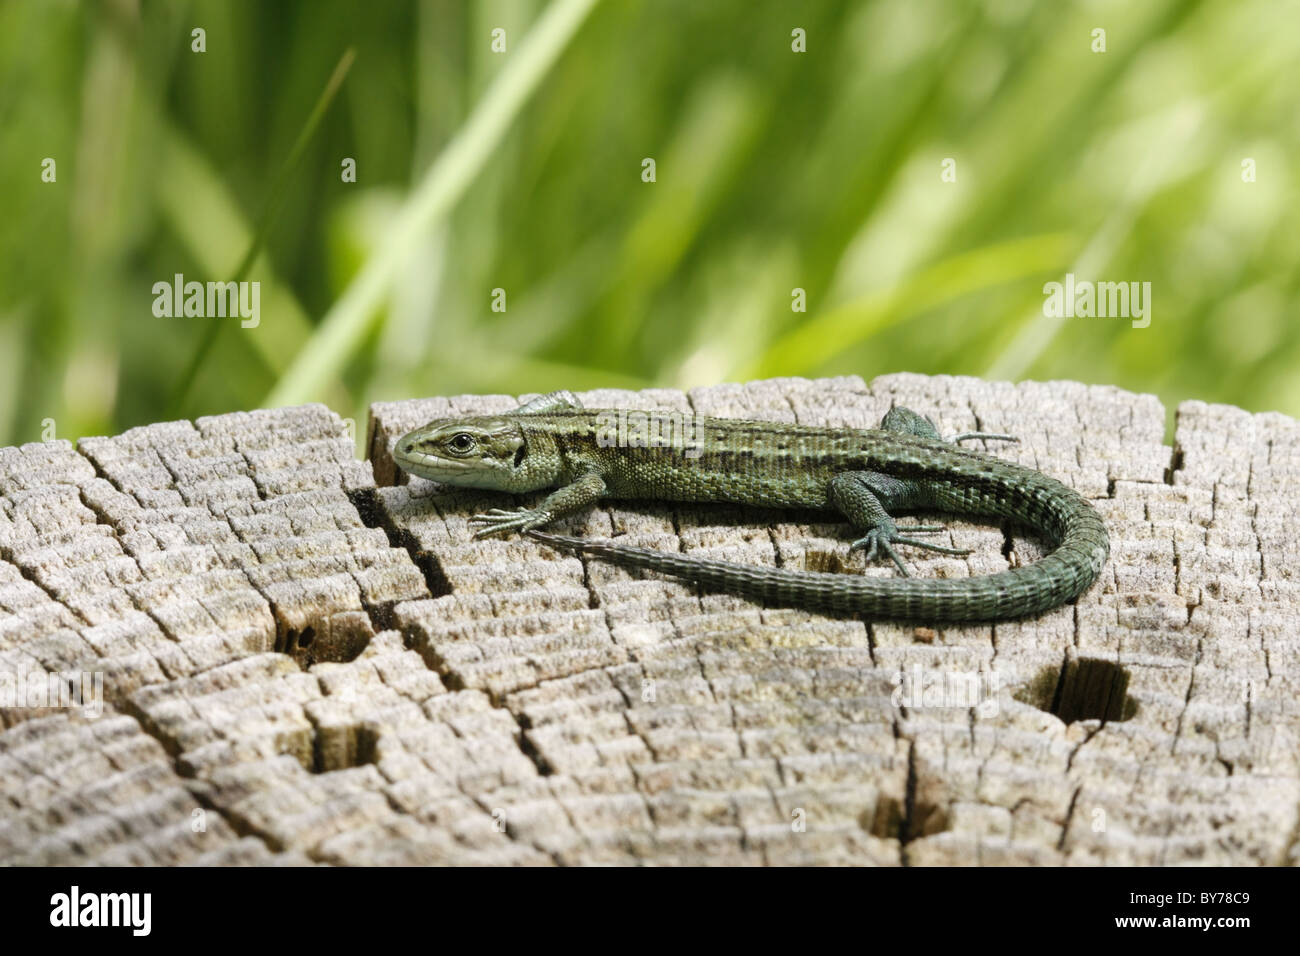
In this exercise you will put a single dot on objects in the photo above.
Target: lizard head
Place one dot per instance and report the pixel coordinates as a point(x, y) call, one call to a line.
point(469, 453)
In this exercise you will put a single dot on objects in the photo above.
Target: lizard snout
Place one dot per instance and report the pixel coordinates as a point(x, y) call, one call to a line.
point(405, 447)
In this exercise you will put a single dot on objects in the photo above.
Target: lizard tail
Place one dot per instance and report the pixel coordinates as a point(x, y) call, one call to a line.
point(1060, 576)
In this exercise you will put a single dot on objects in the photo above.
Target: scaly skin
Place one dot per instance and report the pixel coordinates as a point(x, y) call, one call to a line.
point(868, 475)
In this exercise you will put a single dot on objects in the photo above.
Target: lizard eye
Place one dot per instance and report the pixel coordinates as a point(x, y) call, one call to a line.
point(461, 443)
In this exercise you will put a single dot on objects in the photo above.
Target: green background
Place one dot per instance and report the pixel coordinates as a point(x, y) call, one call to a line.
point(775, 170)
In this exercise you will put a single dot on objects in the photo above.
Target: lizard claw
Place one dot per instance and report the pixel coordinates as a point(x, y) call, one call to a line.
point(501, 522)
point(880, 541)
point(876, 541)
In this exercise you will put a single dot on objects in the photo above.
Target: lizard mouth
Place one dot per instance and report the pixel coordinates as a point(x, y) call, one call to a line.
point(430, 466)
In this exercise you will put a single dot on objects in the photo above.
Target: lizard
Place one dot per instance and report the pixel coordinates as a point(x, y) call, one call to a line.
point(868, 475)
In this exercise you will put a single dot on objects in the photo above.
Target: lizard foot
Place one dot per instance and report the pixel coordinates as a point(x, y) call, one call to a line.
point(502, 522)
point(880, 541)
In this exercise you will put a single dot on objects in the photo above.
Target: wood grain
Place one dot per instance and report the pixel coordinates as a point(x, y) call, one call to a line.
point(300, 666)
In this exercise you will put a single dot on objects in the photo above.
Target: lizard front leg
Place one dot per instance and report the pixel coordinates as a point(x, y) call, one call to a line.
point(549, 404)
point(586, 490)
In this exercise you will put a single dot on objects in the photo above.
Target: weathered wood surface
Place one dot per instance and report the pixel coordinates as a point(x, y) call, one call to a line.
point(300, 667)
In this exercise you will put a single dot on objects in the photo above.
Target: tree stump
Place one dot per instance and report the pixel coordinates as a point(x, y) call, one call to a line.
point(302, 658)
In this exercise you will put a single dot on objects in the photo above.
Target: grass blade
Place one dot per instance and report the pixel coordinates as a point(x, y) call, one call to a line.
point(272, 207)
point(348, 320)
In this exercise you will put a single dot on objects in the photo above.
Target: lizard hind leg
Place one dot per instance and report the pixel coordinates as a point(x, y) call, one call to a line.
point(907, 422)
point(864, 497)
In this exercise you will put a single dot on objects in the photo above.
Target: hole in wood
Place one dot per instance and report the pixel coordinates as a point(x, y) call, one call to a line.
point(343, 746)
point(338, 638)
point(1085, 688)
point(891, 820)
point(827, 562)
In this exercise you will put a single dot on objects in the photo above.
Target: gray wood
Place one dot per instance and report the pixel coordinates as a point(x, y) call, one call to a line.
point(301, 667)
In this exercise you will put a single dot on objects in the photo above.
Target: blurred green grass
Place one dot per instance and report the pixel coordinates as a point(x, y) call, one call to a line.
point(775, 170)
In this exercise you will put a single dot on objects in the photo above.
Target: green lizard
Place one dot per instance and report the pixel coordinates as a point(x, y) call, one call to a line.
point(867, 475)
